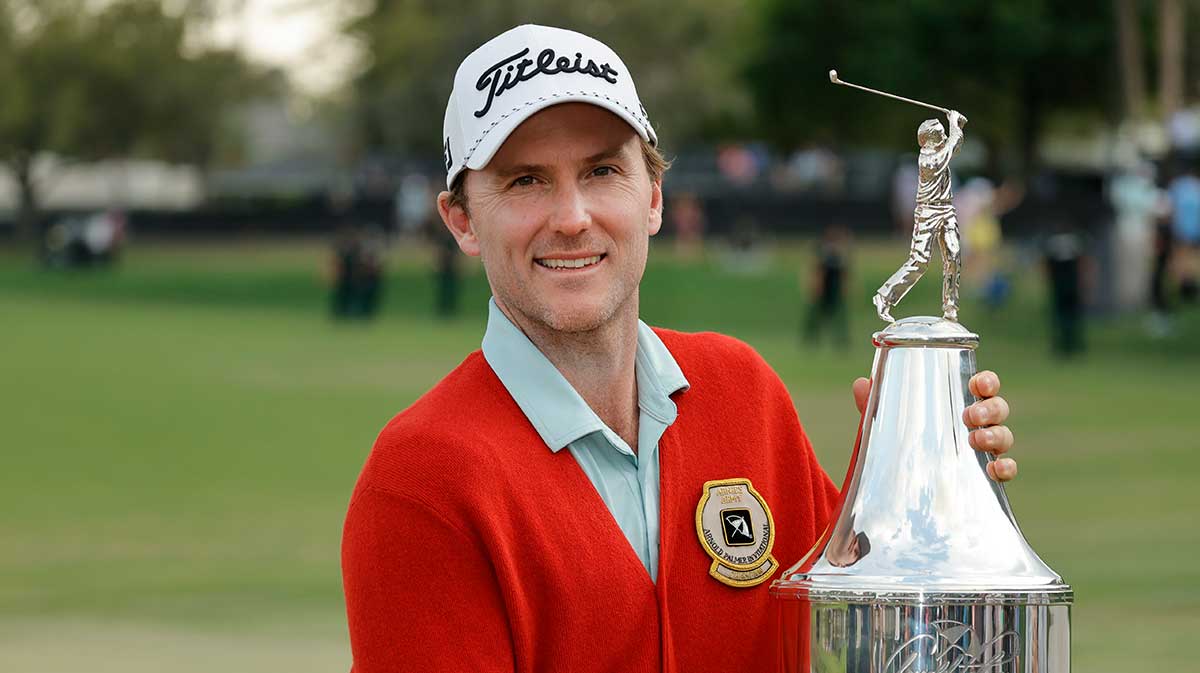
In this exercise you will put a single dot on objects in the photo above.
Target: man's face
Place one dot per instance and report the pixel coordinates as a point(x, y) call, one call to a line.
point(561, 217)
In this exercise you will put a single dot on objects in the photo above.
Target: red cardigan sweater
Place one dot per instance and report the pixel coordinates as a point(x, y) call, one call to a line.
point(470, 546)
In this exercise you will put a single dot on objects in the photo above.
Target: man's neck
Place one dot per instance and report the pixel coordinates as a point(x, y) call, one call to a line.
point(599, 364)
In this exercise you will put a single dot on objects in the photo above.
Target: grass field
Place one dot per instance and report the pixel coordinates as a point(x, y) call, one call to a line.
point(179, 436)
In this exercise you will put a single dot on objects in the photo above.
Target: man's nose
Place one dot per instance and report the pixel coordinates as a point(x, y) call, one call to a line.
point(570, 214)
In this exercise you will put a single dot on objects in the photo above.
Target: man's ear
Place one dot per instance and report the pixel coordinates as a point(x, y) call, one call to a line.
point(656, 207)
point(457, 220)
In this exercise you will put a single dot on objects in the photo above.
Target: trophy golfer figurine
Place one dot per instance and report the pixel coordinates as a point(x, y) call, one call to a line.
point(934, 216)
point(933, 219)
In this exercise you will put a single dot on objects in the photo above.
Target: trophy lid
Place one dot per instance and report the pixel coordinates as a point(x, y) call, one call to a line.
point(919, 519)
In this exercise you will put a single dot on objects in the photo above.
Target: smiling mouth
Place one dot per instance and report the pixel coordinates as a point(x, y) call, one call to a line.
point(580, 263)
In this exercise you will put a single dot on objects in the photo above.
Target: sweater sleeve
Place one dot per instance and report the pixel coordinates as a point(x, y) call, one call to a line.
point(420, 594)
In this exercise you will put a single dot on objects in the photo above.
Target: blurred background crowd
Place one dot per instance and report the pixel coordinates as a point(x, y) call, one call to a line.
point(215, 119)
point(198, 197)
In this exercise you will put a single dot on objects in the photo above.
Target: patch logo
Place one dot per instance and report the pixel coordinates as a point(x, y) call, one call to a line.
point(737, 530)
point(735, 523)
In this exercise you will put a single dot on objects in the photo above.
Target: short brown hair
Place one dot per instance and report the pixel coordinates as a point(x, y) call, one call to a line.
point(656, 166)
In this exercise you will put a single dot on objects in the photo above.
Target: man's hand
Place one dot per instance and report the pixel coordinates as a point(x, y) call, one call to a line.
point(987, 416)
point(957, 119)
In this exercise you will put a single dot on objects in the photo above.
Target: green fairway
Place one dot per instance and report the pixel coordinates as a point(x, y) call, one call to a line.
point(180, 435)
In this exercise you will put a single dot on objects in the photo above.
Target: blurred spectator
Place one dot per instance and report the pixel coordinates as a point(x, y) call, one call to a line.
point(1184, 191)
point(687, 217)
point(446, 273)
point(345, 259)
point(1159, 324)
point(816, 169)
point(828, 293)
point(445, 253)
point(357, 273)
point(1066, 272)
point(740, 164)
point(413, 203)
point(84, 240)
point(980, 240)
point(371, 270)
point(1183, 130)
point(746, 253)
point(904, 194)
point(1138, 203)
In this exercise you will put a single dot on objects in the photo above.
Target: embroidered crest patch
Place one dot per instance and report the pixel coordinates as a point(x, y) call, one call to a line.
point(736, 529)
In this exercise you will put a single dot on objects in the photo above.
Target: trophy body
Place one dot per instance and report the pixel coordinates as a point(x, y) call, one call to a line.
point(924, 569)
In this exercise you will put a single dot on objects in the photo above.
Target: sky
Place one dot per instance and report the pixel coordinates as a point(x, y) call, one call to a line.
point(300, 36)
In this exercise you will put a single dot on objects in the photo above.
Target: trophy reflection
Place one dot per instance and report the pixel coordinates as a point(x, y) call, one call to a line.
point(924, 569)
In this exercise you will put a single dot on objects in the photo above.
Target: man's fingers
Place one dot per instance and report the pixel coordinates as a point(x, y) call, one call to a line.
point(988, 416)
point(997, 439)
point(984, 384)
point(1002, 470)
point(862, 390)
point(991, 411)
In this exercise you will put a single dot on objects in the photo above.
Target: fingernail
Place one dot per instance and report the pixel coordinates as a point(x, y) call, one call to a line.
point(987, 436)
point(981, 416)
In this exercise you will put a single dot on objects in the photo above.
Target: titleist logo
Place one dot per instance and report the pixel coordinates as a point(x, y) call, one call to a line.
point(506, 74)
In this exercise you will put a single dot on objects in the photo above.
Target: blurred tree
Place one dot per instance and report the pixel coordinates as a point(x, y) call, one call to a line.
point(1005, 63)
point(1131, 58)
point(89, 81)
point(1172, 22)
point(685, 55)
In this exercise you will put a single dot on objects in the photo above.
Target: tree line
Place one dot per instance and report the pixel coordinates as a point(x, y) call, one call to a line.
point(93, 81)
point(87, 81)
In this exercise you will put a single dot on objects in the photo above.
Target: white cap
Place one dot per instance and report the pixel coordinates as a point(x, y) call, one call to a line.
point(522, 71)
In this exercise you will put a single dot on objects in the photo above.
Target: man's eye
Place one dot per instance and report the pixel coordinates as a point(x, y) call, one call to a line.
point(603, 171)
point(523, 181)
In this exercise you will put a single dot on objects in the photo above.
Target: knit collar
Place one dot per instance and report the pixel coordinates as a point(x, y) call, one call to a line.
point(556, 410)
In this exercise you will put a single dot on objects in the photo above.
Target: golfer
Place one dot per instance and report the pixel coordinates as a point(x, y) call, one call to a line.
point(585, 493)
point(933, 217)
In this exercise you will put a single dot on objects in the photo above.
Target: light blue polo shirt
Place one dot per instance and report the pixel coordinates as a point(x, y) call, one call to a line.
point(626, 481)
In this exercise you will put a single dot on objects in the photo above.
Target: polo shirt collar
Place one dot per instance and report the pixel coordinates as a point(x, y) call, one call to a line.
point(553, 407)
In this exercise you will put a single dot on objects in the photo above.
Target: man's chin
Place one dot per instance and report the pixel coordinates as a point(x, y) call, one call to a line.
point(574, 317)
point(576, 321)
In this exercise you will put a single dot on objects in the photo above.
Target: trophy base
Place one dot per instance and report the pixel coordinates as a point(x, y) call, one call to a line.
point(924, 569)
point(919, 637)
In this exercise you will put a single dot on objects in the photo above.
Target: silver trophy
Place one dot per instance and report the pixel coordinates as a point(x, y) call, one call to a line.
point(924, 569)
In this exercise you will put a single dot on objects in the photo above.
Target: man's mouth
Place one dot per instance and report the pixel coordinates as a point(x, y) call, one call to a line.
point(561, 263)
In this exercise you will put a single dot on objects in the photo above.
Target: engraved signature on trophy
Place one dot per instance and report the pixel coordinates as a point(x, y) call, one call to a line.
point(953, 647)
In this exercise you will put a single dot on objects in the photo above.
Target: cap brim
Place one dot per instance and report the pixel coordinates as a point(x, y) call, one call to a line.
point(496, 135)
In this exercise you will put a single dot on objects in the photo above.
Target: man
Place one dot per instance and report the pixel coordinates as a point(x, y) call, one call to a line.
point(538, 509)
point(933, 217)
point(1184, 193)
point(828, 306)
point(1067, 270)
